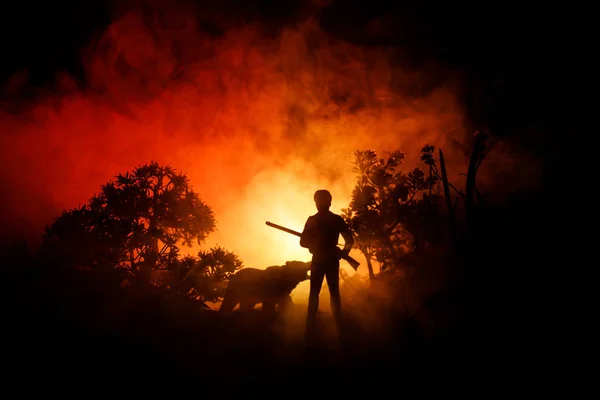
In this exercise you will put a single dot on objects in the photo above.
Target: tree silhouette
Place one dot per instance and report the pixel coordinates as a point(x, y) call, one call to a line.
point(390, 210)
point(135, 223)
point(480, 150)
point(204, 277)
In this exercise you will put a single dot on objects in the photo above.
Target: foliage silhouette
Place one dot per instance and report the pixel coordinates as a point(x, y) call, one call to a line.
point(480, 150)
point(135, 223)
point(391, 212)
point(204, 277)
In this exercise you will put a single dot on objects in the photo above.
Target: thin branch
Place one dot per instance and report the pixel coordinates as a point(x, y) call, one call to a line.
point(160, 253)
point(459, 192)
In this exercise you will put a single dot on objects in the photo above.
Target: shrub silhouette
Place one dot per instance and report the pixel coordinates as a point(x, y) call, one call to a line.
point(135, 224)
point(391, 212)
point(204, 277)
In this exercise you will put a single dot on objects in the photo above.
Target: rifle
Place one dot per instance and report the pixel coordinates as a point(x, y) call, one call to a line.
point(353, 263)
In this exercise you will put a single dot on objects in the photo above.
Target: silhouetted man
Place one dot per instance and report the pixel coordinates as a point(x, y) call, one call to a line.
point(320, 235)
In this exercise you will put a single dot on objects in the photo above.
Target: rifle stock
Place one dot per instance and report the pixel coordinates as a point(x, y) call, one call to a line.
point(353, 263)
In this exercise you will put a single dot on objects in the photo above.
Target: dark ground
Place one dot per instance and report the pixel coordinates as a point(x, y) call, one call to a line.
point(214, 350)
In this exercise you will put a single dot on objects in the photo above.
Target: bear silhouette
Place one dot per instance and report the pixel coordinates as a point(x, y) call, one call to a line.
point(271, 287)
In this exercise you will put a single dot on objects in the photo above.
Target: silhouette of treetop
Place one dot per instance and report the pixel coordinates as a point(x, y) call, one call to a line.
point(160, 201)
point(137, 221)
point(204, 277)
point(391, 212)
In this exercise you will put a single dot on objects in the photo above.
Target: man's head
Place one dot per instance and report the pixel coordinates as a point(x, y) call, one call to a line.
point(322, 200)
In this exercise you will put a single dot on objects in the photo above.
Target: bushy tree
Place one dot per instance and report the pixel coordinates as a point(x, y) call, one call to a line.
point(204, 277)
point(391, 212)
point(135, 223)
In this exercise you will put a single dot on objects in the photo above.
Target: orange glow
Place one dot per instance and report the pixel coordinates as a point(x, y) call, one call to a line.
point(258, 123)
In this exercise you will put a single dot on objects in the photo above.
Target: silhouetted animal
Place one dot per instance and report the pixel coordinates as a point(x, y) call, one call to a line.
point(271, 286)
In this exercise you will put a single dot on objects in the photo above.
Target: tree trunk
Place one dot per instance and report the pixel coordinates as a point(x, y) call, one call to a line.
point(367, 255)
point(146, 267)
point(471, 179)
point(449, 206)
point(151, 256)
point(388, 242)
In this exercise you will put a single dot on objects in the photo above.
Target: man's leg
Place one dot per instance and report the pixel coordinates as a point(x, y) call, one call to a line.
point(333, 282)
point(316, 281)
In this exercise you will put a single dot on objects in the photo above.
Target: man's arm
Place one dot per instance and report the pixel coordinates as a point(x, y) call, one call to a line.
point(348, 237)
point(305, 237)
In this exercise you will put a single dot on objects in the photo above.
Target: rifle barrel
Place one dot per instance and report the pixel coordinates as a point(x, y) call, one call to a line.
point(350, 260)
point(281, 228)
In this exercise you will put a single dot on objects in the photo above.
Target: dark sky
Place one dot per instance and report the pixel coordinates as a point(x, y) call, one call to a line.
point(488, 40)
point(50, 33)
